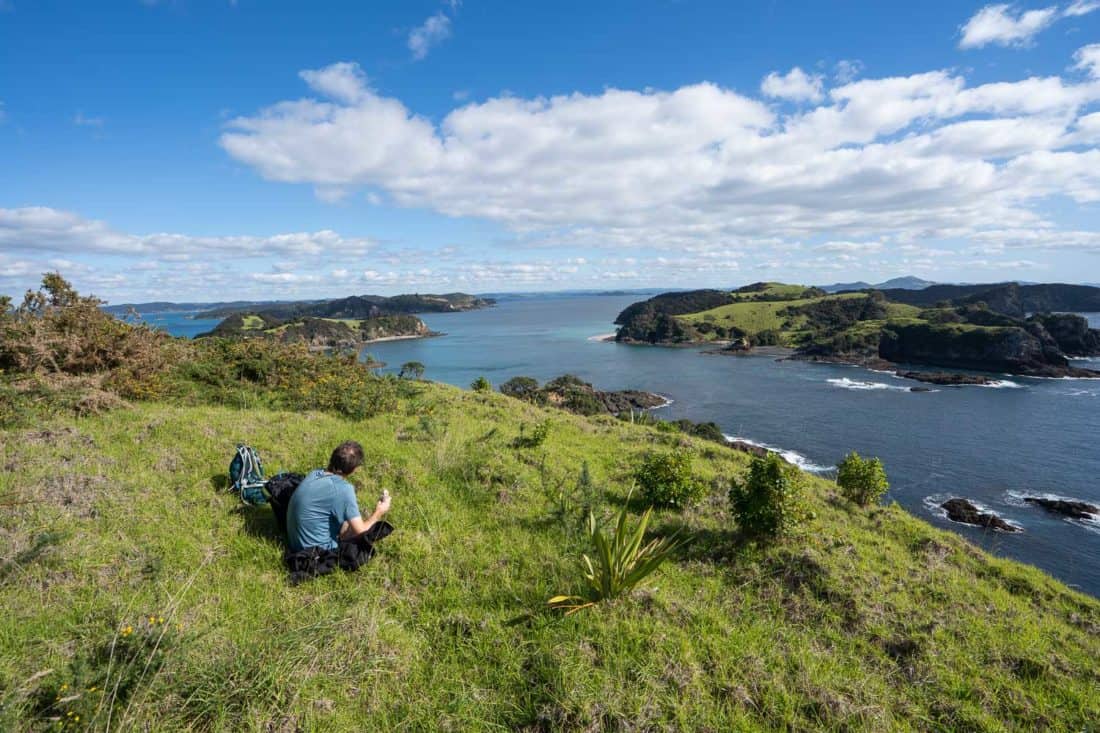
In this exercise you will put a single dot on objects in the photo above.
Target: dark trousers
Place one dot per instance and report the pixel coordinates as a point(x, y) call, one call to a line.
point(350, 555)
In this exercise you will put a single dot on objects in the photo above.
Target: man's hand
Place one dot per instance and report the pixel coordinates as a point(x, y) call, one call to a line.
point(383, 504)
point(356, 526)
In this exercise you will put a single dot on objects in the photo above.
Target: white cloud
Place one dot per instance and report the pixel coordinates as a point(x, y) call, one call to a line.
point(431, 32)
point(846, 70)
point(82, 120)
point(920, 156)
point(1004, 25)
point(796, 85)
point(1087, 59)
point(1081, 7)
point(343, 81)
point(39, 229)
point(851, 247)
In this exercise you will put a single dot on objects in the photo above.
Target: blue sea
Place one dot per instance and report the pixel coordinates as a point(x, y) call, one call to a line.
point(993, 445)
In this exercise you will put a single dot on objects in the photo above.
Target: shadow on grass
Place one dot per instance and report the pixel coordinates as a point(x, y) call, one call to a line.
point(219, 482)
point(720, 546)
point(42, 544)
point(259, 521)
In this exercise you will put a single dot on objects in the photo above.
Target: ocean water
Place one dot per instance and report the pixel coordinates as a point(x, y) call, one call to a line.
point(180, 323)
point(993, 445)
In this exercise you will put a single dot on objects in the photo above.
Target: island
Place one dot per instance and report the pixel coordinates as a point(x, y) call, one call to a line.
point(340, 324)
point(1002, 328)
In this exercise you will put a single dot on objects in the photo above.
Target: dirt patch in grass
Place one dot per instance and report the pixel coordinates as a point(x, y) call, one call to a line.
point(73, 493)
point(54, 436)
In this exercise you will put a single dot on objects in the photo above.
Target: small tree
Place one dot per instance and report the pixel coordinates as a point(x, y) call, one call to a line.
point(862, 480)
point(665, 479)
point(411, 370)
point(481, 384)
point(769, 501)
point(523, 388)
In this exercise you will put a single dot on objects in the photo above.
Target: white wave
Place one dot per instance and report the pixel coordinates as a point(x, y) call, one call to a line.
point(934, 502)
point(790, 456)
point(863, 386)
point(1082, 393)
point(667, 401)
point(603, 337)
point(1001, 384)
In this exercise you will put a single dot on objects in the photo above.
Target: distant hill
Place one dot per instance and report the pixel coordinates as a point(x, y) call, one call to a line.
point(357, 306)
point(1009, 298)
point(161, 306)
point(908, 282)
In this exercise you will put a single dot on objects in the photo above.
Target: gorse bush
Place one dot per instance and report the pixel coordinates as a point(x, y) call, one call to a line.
point(481, 384)
point(60, 351)
point(57, 331)
point(666, 480)
point(861, 480)
point(769, 502)
point(621, 562)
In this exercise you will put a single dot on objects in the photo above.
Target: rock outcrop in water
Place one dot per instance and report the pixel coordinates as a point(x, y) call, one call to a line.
point(1066, 507)
point(572, 393)
point(962, 511)
point(946, 379)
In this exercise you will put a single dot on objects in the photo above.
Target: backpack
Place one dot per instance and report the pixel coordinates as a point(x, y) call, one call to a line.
point(279, 490)
point(246, 476)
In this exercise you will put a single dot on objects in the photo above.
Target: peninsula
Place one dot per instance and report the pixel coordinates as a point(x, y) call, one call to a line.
point(1002, 328)
point(340, 324)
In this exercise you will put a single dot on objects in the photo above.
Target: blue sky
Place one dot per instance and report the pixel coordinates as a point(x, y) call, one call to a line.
point(189, 150)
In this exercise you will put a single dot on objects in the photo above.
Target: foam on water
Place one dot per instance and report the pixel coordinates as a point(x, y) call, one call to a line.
point(790, 456)
point(862, 386)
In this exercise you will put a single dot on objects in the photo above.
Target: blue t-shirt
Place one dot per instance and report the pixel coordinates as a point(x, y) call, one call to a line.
point(319, 507)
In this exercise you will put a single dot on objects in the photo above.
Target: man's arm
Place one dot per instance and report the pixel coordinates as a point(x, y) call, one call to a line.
point(356, 526)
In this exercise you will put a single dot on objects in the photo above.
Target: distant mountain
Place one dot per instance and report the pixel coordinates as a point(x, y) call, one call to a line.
point(905, 283)
point(842, 287)
point(161, 306)
point(898, 283)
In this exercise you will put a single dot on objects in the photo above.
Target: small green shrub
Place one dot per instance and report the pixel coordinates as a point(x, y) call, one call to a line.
point(533, 438)
point(411, 370)
point(861, 480)
point(769, 501)
point(621, 562)
point(665, 479)
point(481, 384)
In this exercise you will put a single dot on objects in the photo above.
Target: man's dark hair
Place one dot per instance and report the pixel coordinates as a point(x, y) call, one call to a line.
point(347, 457)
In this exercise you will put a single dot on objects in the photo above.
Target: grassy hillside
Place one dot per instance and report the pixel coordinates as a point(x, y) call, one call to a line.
point(867, 619)
point(752, 317)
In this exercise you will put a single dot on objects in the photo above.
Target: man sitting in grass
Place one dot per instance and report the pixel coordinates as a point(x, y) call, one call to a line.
point(324, 525)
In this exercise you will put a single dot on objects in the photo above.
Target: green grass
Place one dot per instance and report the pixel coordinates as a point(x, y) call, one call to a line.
point(754, 317)
point(783, 290)
point(252, 323)
point(866, 620)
